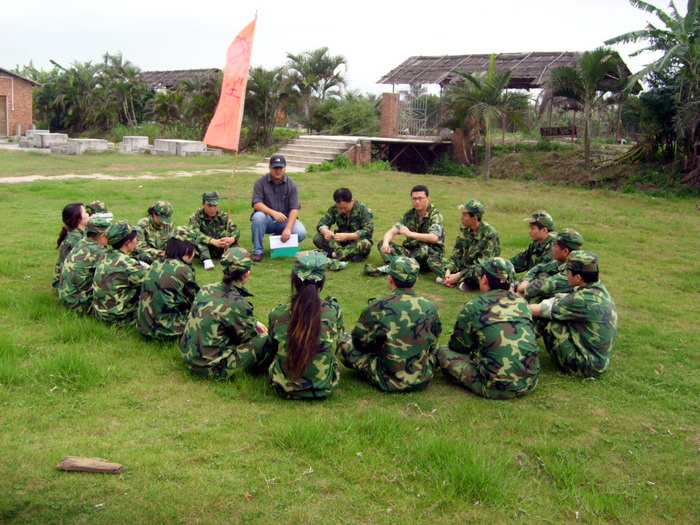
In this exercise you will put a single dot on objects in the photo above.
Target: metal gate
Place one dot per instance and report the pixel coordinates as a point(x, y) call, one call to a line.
point(413, 112)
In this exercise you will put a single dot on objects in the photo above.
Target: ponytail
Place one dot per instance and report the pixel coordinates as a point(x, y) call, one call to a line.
point(304, 329)
point(72, 215)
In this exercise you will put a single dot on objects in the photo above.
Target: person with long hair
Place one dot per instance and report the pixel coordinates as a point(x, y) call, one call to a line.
point(75, 219)
point(78, 272)
point(306, 333)
point(154, 232)
point(169, 288)
point(118, 277)
point(222, 336)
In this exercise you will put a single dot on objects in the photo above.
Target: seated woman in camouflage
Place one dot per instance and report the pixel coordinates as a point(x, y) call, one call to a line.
point(155, 231)
point(222, 336)
point(75, 219)
point(118, 277)
point(75, 285)
point(169, 288)
point(306, 333)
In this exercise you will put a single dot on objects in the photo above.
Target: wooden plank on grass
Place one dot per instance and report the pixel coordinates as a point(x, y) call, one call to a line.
point(88, 465)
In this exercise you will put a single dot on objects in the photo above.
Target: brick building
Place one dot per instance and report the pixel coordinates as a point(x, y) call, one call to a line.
point(15, 103)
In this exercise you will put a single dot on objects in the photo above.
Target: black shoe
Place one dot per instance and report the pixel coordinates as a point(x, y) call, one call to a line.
point(257, 257)
point(358, 258)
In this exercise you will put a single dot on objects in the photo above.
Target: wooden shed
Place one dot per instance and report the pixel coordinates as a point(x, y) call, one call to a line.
point(15, 103)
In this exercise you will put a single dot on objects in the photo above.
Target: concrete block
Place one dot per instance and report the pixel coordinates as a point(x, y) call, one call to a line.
point(31, 132)
point(60, 150)
point(46, 140)
point(80, 146)
point(169, 145)
point(134, 143)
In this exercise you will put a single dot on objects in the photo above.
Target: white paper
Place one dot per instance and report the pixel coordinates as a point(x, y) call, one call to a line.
point(276, 241)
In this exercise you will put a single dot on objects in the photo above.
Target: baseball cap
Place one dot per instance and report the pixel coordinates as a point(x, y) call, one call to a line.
point(500, 268)
point(278, 161)
point(237, 259)
point(474, 207)
point(310, 265)
point(582, 261)
point(570, 238)
point(544, 218)
point(404, 268)
point(164, 210)
point(211, 197)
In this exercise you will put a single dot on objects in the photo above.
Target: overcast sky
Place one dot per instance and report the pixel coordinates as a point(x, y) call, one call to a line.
point(374, 36)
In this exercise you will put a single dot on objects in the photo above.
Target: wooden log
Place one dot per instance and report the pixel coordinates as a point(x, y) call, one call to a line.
point(76, 463)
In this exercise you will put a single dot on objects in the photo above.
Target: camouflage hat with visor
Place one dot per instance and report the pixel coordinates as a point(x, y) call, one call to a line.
point(542, 217)
point(500, 268)
point(404, 269)
point(164, 210)
point(118, 231)
point(310, 265)
point(474, 207)
point(97, 224)
point(237, 259)
point(211, 197)
point(570, 238)
point(582, 261)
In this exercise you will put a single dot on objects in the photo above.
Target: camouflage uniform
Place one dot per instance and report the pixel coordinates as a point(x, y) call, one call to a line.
point(220, 337)
point(117, 281)
point(432, 222)
point(321, 375)
point(153, 238)
point(536, 253)
point(583, 326)
point(548, 279)
point(395, 338)
point(492, 350)
point(167, 293)
point(360, 221)
point(75, 284)
point(469, 248)
point(214, 227)
point(71, 240)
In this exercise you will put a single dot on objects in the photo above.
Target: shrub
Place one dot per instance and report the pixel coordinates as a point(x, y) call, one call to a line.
point(446, 166)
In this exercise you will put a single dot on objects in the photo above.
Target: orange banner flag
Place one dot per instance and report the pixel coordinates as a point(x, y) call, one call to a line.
point(225, 128)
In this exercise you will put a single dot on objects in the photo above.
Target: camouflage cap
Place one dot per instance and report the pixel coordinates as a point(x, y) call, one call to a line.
point(186, 234)
point(164, 210)
point(96, 207)
point(500, 268)
point(474, 207)
point(97, 224)
point(118, 231)
point(211, 197)
point(404, 268)
point(310, 265)
point(570, 238)
point(582, 261)
point(237, 259)
point(544, 218)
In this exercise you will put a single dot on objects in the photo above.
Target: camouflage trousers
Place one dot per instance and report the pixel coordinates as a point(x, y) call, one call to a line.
point(368, 364)
point(459, 369)
point(253, 356)
point(566, 355)
point(344, 250)
point(470, 274)
point(81, 303)
point(207, 251)
point(420, 251)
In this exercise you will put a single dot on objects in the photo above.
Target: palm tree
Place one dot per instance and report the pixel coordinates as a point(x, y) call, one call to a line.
point(315, 75)
point(596, 73)
point(264, 98)
point(481, 102)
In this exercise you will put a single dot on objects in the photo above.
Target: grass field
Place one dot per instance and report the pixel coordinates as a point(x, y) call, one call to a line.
point(623, 448)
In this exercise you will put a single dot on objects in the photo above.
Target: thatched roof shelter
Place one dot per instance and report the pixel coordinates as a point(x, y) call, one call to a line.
point(530, 70)
point(170, 79)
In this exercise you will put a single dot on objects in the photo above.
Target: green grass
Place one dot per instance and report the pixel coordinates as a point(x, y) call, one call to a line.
point(622, 448)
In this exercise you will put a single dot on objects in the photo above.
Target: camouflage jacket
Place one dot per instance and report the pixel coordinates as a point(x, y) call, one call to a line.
point(321, 375)
point(535, 254)
point(167, 293)
point(360, 221)
point(71, 240)
point(213, 227)
point(75, 285)
point(219, 321)
point(432, 222)
point(402, 329)
point(551, 281)
point(470, 247)
point(495, 332)
point(543, 269)
point(591, 316)
point(116, 287)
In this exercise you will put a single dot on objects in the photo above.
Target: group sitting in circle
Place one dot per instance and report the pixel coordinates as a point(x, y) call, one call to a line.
point(142, 275)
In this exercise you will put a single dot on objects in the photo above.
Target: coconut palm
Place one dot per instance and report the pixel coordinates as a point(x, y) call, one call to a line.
point(481, 102)
point(264, 98)
point(314, 76)
point(597, 72)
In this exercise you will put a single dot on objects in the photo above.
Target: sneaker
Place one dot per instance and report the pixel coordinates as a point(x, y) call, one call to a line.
point(208, 264)
point(440, 280)
point(336, 266)
point(374, 271)
point(257, 257)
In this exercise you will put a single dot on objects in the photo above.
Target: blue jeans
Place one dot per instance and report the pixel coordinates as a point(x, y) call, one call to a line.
point(262, 223)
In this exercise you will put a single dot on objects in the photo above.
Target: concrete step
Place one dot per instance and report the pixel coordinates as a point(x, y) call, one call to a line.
point(313, 149)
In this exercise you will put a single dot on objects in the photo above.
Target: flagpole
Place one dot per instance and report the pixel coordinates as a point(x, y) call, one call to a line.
point(230, 196)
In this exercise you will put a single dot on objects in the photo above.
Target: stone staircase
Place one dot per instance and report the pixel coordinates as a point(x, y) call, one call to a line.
point(312, 149)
